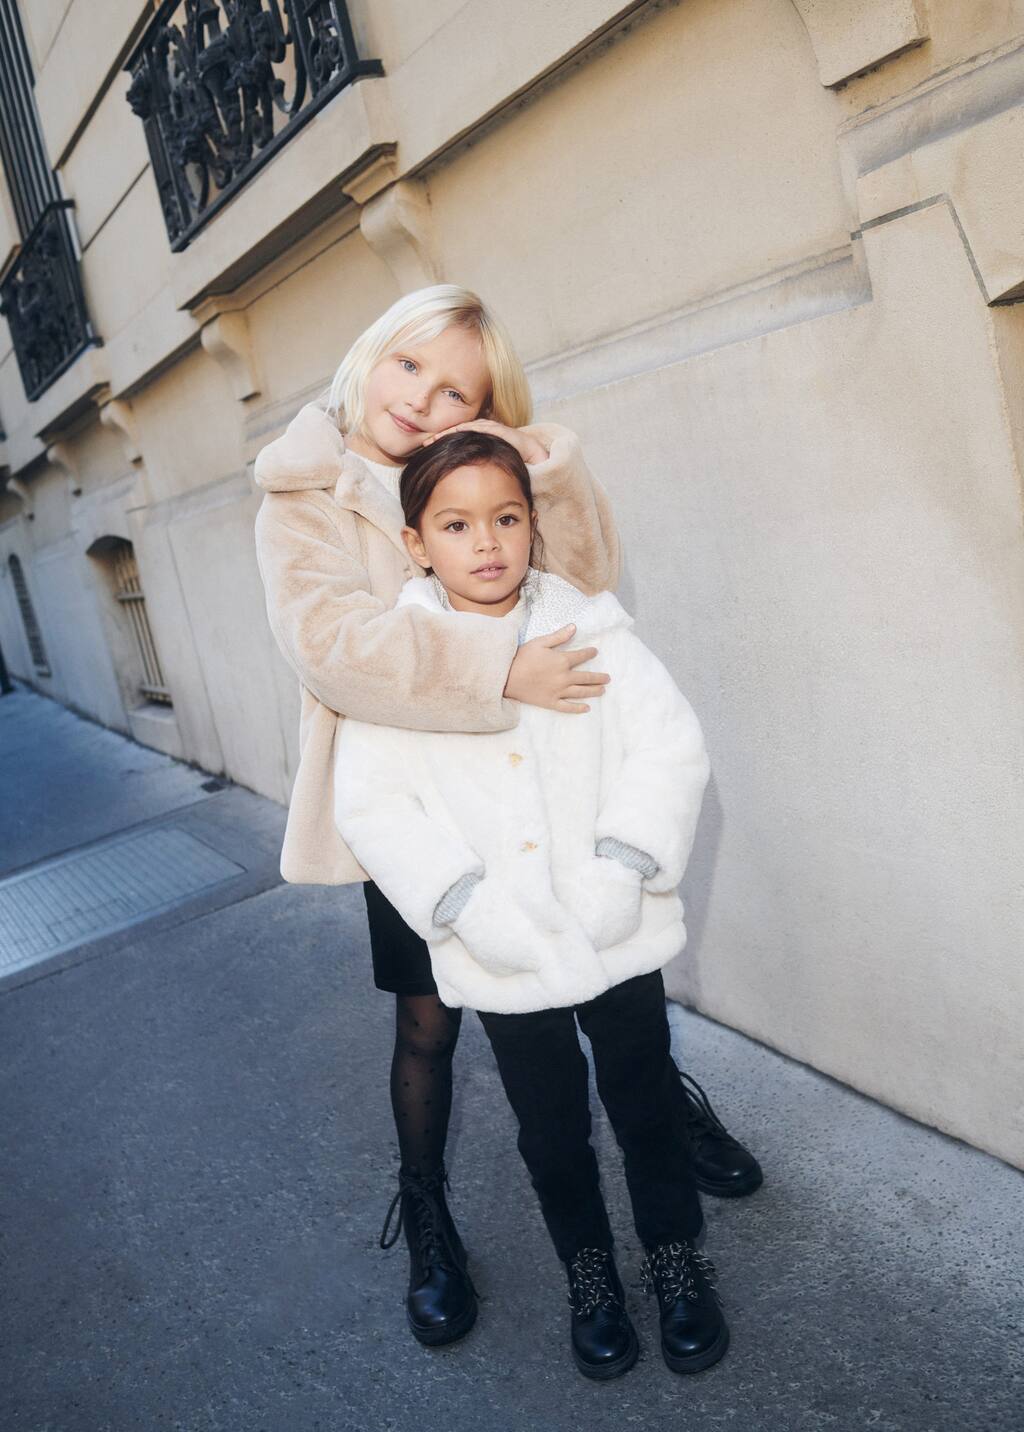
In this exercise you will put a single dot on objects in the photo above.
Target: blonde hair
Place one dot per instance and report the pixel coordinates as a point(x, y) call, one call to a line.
point(417, 318)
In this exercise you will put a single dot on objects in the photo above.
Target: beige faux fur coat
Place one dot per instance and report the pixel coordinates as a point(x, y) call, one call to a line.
point(332, 559)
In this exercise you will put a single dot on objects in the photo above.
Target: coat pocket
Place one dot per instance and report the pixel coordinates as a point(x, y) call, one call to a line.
point(608, 896)
point(497, 932)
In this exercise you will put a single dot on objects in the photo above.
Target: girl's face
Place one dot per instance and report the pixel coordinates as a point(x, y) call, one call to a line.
point(476, 532)
point(419, 389)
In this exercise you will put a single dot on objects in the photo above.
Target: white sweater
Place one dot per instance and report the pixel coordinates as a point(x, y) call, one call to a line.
point(550, 923)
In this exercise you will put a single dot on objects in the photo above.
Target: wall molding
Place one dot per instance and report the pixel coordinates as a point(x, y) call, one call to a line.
point(811, 288)
point(944, 104)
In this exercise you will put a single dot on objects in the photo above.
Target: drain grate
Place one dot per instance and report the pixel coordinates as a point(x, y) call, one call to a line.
point(97, 891)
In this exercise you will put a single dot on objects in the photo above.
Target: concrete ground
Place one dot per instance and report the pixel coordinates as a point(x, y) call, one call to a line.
point(198, 1156)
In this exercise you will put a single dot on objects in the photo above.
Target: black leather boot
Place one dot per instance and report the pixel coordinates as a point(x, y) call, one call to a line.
point(441, 1304)
point(604, 1342)
point(694, 1334)
point(721, 1164)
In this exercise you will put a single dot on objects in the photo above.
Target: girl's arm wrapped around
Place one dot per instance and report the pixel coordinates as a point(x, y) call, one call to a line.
point(575, 517)
point(405, 667)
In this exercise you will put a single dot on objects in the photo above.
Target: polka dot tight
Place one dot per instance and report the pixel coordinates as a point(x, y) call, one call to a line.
point(426, 1033)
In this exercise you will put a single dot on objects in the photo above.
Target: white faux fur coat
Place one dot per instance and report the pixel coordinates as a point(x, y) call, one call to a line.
point(550, 924)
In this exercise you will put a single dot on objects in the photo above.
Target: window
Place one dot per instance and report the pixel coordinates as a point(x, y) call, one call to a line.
point(41, 293)
point(220, 87)
point(128, 591)
point(28, 617)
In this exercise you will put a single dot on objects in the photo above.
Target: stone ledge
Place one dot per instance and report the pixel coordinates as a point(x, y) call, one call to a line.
point(977, 171)
point(155, 725)
point(942, 105)
point(811, 288)
point(851, 36)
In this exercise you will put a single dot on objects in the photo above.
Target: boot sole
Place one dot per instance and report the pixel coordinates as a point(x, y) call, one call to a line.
point(606, 1371)
point(732, 1189)
point(449, 1332)
point(698, 1361)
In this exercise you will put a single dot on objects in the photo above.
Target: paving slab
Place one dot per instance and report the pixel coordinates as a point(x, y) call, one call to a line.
point(203, 1156)
point(198, 1153)
point(65, 780)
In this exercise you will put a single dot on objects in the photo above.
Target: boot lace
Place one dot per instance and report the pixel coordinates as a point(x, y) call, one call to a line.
point(419, 1198)
point(590, 1282)
point(676, 1270)
point(701, 1117)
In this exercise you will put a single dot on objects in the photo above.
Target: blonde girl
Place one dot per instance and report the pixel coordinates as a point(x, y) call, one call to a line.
point(331, 554)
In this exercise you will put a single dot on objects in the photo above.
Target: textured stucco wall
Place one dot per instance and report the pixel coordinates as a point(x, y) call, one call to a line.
point(760, 285)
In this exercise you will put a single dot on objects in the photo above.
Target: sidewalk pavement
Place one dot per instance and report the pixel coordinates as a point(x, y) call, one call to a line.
point(199, 1153)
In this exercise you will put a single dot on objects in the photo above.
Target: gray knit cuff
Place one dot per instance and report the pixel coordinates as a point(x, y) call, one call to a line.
point(455, 899)
point(627, 855)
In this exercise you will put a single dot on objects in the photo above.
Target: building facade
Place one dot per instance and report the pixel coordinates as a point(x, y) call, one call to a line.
point(766, 256)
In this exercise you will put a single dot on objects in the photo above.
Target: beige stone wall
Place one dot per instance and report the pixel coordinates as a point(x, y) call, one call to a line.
point(764, 256)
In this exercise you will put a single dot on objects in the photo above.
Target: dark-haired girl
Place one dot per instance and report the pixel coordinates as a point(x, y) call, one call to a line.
point(540, 865)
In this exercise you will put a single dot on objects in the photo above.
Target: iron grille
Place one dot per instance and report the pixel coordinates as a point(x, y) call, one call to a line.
point(41, 298)
point(28, 617)
point(221, 85)
point(129, 593)
point(41, 294)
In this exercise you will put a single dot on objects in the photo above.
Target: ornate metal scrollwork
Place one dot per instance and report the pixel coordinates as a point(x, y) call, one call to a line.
point(221, 84)
point(42, 300)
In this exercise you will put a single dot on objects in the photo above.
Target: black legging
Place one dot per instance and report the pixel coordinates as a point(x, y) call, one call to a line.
point(544, 1072)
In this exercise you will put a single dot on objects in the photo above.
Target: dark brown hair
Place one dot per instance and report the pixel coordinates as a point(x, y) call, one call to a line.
point(428, 465)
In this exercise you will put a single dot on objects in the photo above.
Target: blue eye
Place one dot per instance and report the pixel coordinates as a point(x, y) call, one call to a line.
point(408, 365)
point(457, 396)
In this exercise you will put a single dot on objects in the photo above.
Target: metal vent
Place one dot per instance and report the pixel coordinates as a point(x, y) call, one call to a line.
point(108, 887)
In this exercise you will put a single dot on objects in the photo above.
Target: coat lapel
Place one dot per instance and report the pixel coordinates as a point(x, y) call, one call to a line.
point(359, 491)
point(311, 453)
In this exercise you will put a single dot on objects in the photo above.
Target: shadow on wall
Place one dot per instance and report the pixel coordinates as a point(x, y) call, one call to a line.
point(682, 976)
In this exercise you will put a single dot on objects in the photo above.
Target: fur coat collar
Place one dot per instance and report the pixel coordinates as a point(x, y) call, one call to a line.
point(311, 454)
point(546, 604)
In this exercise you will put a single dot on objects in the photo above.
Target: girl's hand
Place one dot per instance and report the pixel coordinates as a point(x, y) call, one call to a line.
point(542, 675)
point(528, 448)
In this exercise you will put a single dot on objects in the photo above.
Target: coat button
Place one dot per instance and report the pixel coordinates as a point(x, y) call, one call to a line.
point(514, 758)
point(527, 846)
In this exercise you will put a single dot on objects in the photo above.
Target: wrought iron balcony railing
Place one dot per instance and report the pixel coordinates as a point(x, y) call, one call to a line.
point(221, 85)
point(41, 297)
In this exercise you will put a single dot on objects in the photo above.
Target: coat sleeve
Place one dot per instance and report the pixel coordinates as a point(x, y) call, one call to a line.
point(401, 666)
point(574, 515)
point(655, 799)
point(413, 858)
